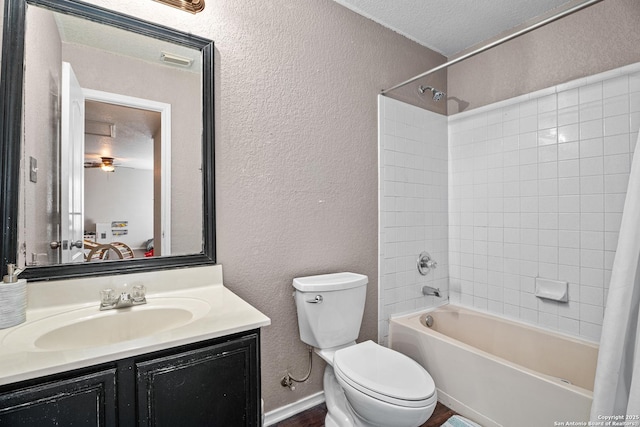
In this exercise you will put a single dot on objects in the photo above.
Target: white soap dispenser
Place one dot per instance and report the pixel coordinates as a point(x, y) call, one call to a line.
point(13, 298)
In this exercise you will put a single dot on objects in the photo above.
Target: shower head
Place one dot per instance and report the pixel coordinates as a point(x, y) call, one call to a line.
point(437, 95)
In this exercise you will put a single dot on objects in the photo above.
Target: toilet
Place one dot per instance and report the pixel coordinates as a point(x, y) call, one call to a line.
point(365, 384)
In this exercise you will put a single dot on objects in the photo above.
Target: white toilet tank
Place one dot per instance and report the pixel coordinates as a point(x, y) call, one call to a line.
point(330, 308)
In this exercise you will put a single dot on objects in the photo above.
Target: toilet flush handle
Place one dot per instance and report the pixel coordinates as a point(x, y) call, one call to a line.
point(316, 300)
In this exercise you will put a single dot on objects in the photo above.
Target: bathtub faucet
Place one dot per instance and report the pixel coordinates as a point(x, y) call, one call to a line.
point(428, 290)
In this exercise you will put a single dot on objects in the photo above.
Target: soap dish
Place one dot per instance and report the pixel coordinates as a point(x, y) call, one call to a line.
point(555, 290)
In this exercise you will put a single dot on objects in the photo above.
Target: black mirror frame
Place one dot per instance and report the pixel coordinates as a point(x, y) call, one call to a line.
point(11, 90)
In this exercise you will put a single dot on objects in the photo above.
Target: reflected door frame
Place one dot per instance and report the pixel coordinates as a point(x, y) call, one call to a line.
point(72, 116)
point(165, 157)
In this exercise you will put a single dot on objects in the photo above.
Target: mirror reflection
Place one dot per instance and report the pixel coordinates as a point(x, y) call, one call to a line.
point(112, 150)
point(120, 138)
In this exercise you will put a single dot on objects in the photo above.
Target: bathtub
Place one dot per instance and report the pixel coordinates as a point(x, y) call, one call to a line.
point(500, 372)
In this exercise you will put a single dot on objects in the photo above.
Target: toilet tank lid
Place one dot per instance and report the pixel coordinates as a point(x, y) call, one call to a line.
point(329, 282)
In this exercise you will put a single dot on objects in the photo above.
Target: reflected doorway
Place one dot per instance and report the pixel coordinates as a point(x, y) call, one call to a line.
point(126, 176)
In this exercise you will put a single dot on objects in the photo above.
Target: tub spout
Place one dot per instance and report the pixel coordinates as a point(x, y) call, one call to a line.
point(428, 290)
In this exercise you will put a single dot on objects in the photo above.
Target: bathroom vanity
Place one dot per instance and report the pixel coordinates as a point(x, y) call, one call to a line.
point(190, 355)
point(214, 382)
point(204, 370)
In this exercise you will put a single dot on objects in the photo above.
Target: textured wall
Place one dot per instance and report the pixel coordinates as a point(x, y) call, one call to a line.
point(599, 38)
point(39, 210)
point(296, 152)
point(297, 160)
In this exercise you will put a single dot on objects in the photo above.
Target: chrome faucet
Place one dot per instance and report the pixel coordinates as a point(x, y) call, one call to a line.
point(109, 301)
point(428, 290)
point(426, 263)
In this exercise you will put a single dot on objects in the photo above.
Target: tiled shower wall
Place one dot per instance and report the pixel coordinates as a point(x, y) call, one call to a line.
point(412, 207)
point(536, 188)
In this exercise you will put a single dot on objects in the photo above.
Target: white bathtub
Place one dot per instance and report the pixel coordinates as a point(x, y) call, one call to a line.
point(500, 372)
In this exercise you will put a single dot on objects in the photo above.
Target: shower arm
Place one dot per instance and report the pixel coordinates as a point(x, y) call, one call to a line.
point(495, 43)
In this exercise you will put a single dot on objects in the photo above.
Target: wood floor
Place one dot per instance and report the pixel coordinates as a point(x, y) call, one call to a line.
point(314, 417)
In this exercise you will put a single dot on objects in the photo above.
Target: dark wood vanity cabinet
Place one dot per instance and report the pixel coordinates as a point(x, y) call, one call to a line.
point(79, 400)
point(212, 386)
point(211, 383)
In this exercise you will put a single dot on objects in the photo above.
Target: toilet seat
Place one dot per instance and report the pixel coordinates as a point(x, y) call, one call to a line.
point(384, 374)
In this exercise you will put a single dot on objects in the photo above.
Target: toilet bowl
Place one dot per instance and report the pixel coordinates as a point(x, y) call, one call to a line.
point(365, 384)
point(384, 387)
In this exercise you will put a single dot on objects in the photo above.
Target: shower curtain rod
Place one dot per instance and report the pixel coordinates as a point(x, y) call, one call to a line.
point(495, 43)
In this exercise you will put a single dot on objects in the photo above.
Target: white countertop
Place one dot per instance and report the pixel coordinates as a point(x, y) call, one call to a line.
point(228, 314)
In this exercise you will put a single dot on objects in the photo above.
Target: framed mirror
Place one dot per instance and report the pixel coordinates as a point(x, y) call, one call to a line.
point(107, 143)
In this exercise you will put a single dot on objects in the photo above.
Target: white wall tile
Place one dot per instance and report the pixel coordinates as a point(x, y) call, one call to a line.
point(591, 147)
point(616, 144)
point(568, 326)
point(590, 331)
point(568, 98)
point(616, 183)
point(616, 105)
point(413, 203)
point(535, 187)
point(591, 166)
point(591, 129)
point(566, 117)
point(593, 184)
point(591, 111)
point(617, 164)
point(590, 93)
point(555, 198)
point(591, 313)
point(615, 87)
point(616, 125)
point(548, 153)
point(568, 168)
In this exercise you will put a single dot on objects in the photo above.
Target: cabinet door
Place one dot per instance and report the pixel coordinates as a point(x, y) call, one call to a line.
point(216, 385)
point(85, 400)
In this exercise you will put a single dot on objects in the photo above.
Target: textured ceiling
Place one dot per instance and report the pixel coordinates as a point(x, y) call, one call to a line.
point(451, 26)
point(132, 145)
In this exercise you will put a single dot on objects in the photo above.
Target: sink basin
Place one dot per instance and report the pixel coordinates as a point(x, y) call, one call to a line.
point(89, 327)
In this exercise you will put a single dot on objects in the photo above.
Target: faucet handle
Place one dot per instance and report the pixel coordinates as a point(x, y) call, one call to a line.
point(107, 298)
point(138, 293)
point(425, 263)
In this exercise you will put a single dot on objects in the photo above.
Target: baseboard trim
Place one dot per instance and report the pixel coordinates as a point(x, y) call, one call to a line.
point(292, 409)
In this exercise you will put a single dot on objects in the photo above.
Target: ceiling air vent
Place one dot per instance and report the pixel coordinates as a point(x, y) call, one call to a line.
point(94, 127)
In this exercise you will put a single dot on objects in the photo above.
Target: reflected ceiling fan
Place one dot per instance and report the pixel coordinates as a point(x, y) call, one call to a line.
point(106, 164)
